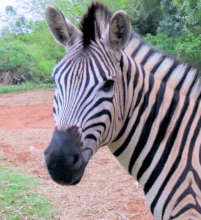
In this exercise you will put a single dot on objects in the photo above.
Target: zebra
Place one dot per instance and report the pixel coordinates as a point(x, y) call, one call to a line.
point(112, 88)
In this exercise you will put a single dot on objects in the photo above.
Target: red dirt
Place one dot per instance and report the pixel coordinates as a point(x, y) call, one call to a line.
point(106, 191)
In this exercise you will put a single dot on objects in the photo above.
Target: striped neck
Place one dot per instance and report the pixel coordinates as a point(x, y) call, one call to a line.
point(155, 84)
point(163, 67)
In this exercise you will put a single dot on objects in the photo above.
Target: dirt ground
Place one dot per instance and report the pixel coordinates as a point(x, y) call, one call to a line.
point(106, 191)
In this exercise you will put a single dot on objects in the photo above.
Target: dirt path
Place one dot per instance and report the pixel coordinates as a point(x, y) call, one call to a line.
point(106, 192)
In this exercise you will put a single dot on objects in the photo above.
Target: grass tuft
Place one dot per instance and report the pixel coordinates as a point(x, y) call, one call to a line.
point(19, 198)
point(24, 87)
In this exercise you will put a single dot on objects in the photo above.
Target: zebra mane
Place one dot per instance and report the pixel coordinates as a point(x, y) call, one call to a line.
point(94, 22)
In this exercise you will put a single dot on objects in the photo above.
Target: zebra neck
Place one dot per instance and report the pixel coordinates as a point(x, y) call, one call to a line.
point(156, 84)
point(161, 130)
point(163, 67)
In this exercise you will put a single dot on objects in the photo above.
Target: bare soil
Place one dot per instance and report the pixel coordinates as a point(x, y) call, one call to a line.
point(106, 191)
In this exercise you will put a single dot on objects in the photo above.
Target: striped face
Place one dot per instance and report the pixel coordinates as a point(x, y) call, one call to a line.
point(88, 92)
point(87, 89)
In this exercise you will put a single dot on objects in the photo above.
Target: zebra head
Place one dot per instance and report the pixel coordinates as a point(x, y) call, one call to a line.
point(88, 107)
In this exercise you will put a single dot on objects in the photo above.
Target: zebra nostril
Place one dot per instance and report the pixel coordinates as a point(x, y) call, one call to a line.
point(75, 159)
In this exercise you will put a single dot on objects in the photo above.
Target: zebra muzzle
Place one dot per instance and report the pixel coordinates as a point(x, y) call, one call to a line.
point(65, 157)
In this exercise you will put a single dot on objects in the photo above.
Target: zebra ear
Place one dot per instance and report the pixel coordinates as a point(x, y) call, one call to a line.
point(119, 31)
point(64, 32)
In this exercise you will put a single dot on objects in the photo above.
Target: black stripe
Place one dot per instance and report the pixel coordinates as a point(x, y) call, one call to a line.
point(137, 50)
point(188, 165)
point(54, 110)
point(82, 98)
point(81, 82)
point(148, 159)
point(126, 142)
point(155, 68)
point(101, 124)
point(91, 136)
point(175, 165)
point(170, 143)
point(171, 69)
point(99, 67)
point(101, 55)
point(139, 97)
point(101, 113)
point(129, 70)
point(122, 62)
point(136, 78)
point(124, 91)
point(187, 209)
point(147, 56)
point(148, 125)
point(93, 71)
point(187, 192)
point(67, 78)
point(58, 67)
point(107, 55)
point(99, 102)
point(178, 87)
point(58, 81)
point(145, 132)
point(82, 106)
point(181, 149)
point(161, 134)
point(120, 134)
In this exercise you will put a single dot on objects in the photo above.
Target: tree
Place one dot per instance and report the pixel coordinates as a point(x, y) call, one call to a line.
point(144, 15)
point(15, 23)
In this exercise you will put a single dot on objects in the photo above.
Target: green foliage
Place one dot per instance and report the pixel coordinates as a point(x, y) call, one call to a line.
point(30, 55)
point(186, 47)
point(29, 52)
point(75, 9)
point(144, 14)
point(45, 50)
point(14, 55)
point(179, 30)
point(190, 11)
point(18, 197)
point(15, 59)
point(172, 22)
point(27, 86)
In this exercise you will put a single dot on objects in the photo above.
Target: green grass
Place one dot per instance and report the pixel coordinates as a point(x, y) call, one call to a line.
point(19, 198)
point(24, 87)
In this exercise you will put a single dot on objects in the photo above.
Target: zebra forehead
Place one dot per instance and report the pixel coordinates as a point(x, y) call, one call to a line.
point(94, 23)
point(82, 66)
point(96, 59)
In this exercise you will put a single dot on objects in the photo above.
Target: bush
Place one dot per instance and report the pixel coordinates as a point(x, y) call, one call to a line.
point(15, 60)
point(179, 30)
point(29, 56)
point(185, 47)
point(45, 50)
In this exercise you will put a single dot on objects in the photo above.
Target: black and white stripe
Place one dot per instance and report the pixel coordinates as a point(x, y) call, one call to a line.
point(159, 135)
point(142, 103)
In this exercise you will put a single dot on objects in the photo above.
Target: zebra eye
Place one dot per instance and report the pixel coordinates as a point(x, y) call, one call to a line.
point(108, 85)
